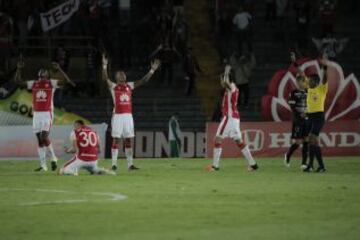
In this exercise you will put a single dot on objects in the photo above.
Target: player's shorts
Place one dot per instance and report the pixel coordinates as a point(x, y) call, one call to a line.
point(122, 125)
point(42, 121)
point(75, 164)
point(300, 129)
point(229, 127)
point(316, 121)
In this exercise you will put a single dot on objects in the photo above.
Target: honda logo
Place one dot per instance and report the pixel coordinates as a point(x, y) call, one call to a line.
point(254, 139)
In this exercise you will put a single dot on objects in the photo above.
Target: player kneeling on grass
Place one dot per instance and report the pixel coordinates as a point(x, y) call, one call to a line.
point(86, 146)
point(230, 124)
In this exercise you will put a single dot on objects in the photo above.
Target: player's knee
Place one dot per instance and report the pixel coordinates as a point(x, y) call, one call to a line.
point(240, 143)
point(115, 144)
point(39, 139)
point(127, 143)
point(218, 142)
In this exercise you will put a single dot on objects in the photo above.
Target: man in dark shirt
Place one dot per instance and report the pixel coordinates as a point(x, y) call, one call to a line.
point(300, 128)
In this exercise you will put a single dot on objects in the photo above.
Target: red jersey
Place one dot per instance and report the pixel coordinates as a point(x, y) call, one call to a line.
point(42, 94)
point(122, 97)
point(87, 142)
point(229, 102)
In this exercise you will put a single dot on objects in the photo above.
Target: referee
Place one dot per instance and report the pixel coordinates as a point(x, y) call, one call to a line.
point(315, 101)
point(315, 109)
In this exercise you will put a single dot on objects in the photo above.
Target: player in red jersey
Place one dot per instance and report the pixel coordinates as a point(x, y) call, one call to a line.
point(43, 90)
point(86, 146)
point(122, 122)
point(230, 124)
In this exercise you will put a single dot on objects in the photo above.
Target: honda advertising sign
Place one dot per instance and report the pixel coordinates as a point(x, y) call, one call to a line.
point(272, 139)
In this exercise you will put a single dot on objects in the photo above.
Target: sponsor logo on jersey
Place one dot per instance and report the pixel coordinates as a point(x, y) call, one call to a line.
point(124, 98)
point(41, 96)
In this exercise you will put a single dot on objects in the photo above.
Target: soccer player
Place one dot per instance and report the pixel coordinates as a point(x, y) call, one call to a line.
point(43, 90)
point(315, 102)
point(230, 124)
point(122, 120)
point(86, 146)
point(300, 123)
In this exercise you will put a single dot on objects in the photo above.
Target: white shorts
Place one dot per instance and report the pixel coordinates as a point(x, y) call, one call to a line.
point(75, 164)
point(122, 125)
point(229, 127)
point(42, 121)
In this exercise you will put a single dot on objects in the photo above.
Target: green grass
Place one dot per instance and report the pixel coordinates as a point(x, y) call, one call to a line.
point(176, 199)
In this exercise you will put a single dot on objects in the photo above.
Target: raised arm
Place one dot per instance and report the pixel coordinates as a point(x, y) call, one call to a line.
point(225, 80)
point(154, 66)
point(105, 74)
point(65, 76)
point(323, 66)
point(293, 60)
point(18, 74)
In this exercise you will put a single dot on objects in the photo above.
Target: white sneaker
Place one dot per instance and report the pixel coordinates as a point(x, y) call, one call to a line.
point(286, 162)
point(302, 167)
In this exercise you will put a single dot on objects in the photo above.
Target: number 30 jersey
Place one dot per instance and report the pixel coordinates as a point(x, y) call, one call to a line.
point(87, 143)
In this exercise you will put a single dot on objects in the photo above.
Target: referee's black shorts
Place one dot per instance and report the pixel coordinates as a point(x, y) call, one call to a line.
point(316, 121)
point(300, 128)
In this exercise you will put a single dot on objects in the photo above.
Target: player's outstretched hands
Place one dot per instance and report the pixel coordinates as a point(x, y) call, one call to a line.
point(105, 60)
point(155, 64)
point(227, 69)
point(293, 57)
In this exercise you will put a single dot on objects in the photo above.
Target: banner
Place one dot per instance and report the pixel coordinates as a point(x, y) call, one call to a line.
point(149, 144)
point(58, 14)
point(19, 142)
point(272, 139)
point(342, 100)
point(16, 109)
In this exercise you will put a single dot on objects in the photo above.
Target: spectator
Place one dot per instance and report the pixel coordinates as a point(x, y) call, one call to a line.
point(281, 6)
point(270, 14)
point(327, 18)
point(92, 57)
point(168, 56)
point(303, 10)
point(243, 67)
point(242, 22)
point(191, 67)
point(175, 136)
point(22, 14)
point(181, 35)
point(224, 33)
point(61, 57)
point(6, 37)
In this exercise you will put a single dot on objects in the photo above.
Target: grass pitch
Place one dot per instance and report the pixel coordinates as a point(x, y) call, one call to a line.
point(176, 199)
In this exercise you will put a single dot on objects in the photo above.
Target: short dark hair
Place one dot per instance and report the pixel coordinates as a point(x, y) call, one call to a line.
point(81, 122)
point(315, 77)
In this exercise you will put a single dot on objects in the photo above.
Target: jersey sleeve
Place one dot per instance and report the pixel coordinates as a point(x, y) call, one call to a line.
point(131, 85)
point(29, 84)
point(54, 83)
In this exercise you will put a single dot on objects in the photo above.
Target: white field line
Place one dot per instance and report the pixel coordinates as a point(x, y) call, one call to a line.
point(109, 196)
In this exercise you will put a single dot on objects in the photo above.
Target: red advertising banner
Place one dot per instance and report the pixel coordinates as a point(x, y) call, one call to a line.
point(272, 139)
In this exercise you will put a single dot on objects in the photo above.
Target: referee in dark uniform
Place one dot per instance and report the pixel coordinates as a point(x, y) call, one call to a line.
point(300, 123)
